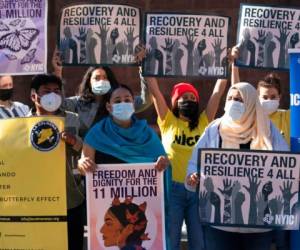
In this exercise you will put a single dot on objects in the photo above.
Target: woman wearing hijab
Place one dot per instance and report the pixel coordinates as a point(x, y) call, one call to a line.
point(244, 125)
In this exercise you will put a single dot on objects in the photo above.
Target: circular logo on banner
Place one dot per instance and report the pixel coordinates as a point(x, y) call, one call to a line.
point(44, 136)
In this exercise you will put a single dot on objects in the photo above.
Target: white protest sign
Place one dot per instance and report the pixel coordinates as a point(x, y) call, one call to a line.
point(265, 34)
point(99, 34)
point(128, 195)
point(249, 188)
point(185, 45)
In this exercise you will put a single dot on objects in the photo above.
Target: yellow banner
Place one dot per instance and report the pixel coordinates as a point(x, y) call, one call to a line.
point(32, 184)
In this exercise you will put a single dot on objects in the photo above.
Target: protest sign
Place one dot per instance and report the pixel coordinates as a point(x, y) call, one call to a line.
point(185, 45)
point(249, 188)
point(125, 207)
point(295, 114)
point(32, 184)
point(92, 34)
point(265, 34)
point(23, 37)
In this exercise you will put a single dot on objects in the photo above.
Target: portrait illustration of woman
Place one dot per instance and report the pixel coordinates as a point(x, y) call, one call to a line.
point(125, 225)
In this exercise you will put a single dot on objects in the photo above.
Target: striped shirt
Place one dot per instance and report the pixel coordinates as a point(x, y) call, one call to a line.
point(17, 109)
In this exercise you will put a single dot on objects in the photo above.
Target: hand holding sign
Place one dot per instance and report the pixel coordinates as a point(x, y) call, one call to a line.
point(162, 163)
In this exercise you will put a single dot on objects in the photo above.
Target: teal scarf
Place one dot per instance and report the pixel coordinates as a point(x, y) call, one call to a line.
point(136, 144)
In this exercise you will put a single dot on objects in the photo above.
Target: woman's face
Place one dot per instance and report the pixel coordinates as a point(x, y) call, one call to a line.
point(187, 96)
point(6, 82)
point(234, 95)
point(97, 75)
point(118, 96)
point(111, 230)
point(268, 93)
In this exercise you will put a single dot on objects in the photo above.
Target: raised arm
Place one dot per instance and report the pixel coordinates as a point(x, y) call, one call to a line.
point(214, 100)
point(143, 101)
point(158, 98)
point(235, 73)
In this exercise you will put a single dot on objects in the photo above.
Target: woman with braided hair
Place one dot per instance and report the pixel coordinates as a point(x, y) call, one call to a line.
point(125, 225)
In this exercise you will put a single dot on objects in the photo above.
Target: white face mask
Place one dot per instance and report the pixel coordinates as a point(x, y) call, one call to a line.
point(122, 111)
point(234, 110)
point(100, 87)
point(269, 106)
point(51, 102)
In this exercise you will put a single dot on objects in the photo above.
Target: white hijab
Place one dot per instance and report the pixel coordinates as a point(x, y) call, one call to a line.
point(253, 126)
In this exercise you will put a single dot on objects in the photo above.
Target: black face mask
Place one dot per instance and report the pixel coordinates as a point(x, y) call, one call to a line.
point(188, 109)
point(6, 94)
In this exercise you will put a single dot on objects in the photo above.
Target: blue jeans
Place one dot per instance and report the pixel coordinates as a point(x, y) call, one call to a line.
point(184, 206)
point(216, 239)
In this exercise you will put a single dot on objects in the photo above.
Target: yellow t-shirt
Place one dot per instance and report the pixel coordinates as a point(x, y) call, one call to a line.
point(179, 142)
point(281, 119)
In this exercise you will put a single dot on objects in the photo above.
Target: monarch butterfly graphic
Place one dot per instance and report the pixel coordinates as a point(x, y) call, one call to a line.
point(15, 22)
point(29, 56)
point(3, 27)
point(11, 57)
point(19, 39)
point(23, 23)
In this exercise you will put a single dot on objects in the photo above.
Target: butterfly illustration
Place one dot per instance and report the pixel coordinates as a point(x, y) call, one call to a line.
point(19, 39)
point(15, 22)
point(11, 57)
point(23, 23)
point(3, 27)
point(37, 61)
point(29, 56)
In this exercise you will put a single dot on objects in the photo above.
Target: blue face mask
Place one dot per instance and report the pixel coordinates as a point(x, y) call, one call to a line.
point(101, 87)
point(234, 110)
point(122, 111)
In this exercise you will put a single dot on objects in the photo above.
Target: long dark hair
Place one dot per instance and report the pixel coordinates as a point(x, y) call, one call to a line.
point(85, 90)
point(193, 123)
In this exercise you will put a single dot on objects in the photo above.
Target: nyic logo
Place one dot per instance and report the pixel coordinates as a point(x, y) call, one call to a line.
point(44, 136)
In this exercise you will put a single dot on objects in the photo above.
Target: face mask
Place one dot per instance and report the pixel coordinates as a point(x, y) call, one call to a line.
point(122, 111)
point(6, 94)
point(101, 87)
point(269, 106)
point(234, 110)
point(51, 102)
point(188, 109)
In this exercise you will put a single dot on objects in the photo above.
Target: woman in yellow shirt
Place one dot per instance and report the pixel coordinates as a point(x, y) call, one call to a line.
point(269, 93)
point(181, 127)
